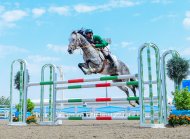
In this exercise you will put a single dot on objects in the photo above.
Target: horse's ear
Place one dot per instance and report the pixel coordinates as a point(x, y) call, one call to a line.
point(74, 32)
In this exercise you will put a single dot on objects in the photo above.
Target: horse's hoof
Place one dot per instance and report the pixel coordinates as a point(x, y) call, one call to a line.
point(88, 73)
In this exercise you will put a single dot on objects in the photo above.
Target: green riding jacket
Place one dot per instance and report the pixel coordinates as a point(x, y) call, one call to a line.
point(99, 42)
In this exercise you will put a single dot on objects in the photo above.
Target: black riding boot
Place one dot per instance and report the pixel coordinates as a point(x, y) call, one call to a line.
point(112, 63)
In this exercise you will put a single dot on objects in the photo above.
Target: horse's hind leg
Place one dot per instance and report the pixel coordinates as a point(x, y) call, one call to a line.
point(125, 89)
point(133, 89)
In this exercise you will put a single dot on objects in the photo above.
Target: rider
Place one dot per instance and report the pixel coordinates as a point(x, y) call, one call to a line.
point(97, 42)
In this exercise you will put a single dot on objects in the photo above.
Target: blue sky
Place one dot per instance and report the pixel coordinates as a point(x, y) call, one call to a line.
point(38, 31)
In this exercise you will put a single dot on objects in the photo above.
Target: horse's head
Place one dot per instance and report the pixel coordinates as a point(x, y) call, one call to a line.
point(74, 42)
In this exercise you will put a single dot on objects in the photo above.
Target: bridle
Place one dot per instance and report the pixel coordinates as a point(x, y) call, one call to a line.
point(78, 43)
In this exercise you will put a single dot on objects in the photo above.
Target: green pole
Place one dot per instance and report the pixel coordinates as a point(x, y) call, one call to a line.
point(21, 93)
point(150, 84)
point(50, 96)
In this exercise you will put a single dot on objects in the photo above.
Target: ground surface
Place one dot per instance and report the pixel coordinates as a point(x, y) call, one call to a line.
point(92, 130)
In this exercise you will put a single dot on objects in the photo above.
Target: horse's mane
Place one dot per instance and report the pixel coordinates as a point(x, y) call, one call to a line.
point(81, 35)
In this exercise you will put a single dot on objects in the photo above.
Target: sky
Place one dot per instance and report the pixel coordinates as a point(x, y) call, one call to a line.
point(38, 31)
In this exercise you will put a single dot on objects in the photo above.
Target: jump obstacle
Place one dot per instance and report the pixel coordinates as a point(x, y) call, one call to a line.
point(152, 121)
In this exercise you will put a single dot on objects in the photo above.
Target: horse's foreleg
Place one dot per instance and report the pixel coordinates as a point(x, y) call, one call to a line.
point(84, 66)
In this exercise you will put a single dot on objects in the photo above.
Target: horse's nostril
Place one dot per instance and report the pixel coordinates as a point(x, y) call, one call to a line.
point(70, 51)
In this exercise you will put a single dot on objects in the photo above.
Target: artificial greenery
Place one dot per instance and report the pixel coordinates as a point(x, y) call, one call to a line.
point(182, 99)
point(177, 69)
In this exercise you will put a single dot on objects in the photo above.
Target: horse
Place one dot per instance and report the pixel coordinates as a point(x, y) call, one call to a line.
point(95, 62)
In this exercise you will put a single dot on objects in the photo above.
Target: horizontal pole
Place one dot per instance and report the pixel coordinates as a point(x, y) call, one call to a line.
point(81, 80)
point(104, 78)
point(93, 80)
point(104, 118)
point(99, 118)
point(75, 100)
point(78, 101)
point(98, 85)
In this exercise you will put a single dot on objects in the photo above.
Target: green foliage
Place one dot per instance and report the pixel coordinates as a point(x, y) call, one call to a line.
point(17, 80)
point(177, 69)
point(182, 99)
point(30, 106)
point(4, 102)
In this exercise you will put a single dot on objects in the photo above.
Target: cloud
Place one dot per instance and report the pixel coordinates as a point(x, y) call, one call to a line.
point(13, 16)
point(188, 38)
point(42, 59)
point(61, 49)
point(83, 8)
point(125, 44)
point(70, 69)
point(2, 8)
point(37, 12)
point(57, 48)
point(186, 21)
point(185, 52)
point(161, 1)
point(9, 50)
point(167, 48)
point(168, 16)
point(64, 10)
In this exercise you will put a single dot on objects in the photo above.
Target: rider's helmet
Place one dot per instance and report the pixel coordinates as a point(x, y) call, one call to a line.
point(88, 31)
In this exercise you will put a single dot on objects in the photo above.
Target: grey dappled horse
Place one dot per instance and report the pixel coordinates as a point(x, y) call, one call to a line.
point(96, 63)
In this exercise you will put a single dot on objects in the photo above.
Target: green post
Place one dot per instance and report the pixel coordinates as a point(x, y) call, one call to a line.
point(21, 93)
point(50, 96)
point(150, 84)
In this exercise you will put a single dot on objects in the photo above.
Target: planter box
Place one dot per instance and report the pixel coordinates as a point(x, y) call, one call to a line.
point(181, 112)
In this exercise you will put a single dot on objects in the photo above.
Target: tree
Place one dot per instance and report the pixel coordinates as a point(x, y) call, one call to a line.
point(177, 69)
point(17, 80)
point(30, 106)
point(182, 99)
point(4, 102)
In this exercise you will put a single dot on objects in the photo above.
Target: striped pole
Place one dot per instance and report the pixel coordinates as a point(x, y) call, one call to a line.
point(50, 95)
point(103, 118)
point(98, 85)
point(99, 118)
point(82, 80)
point(21, 93)
point(150, 85)
point(163, 76)
point(77, 100)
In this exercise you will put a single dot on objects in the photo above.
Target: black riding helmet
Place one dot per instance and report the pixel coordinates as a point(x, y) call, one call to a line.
point(88, 31)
